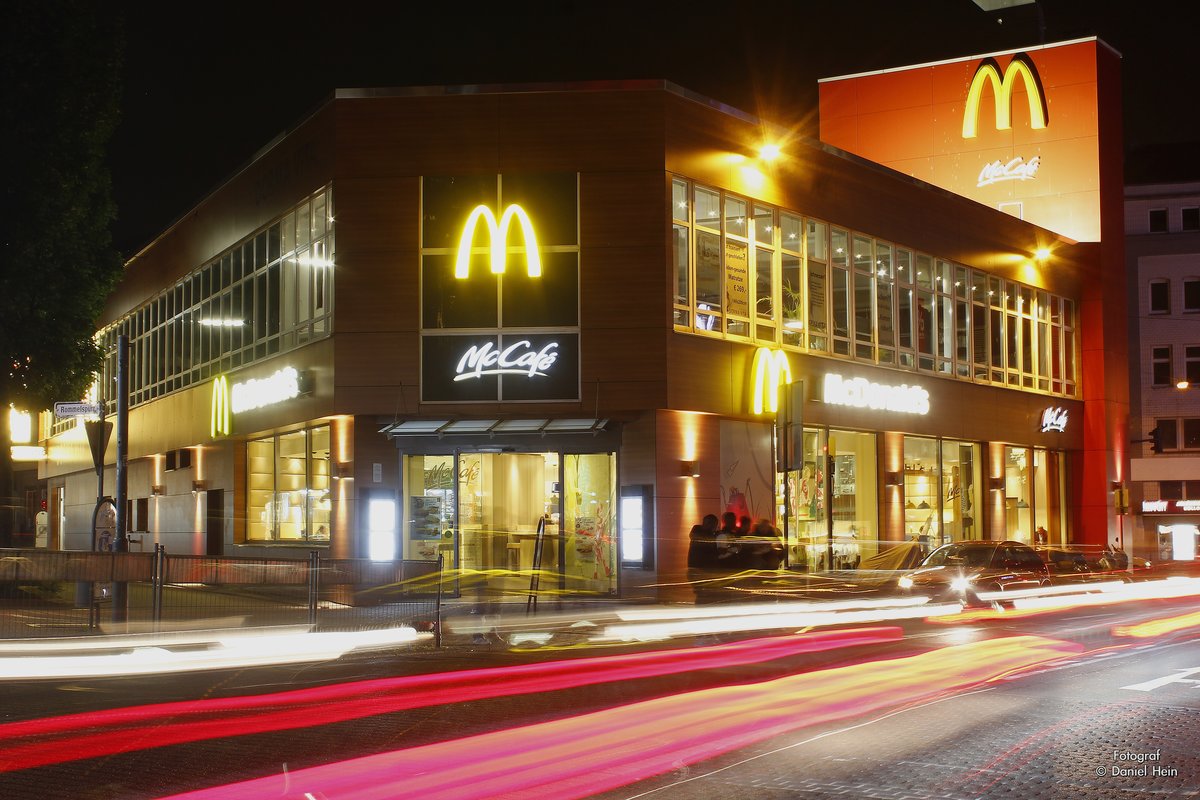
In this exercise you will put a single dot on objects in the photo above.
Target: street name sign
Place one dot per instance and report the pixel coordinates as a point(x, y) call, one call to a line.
point(76, 409)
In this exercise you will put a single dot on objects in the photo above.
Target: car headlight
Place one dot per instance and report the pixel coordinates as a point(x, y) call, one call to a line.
point(960, 584)
point(905, 582)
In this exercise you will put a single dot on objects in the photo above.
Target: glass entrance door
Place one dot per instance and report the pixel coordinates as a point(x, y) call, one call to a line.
point(501, 499)
point(481, 511)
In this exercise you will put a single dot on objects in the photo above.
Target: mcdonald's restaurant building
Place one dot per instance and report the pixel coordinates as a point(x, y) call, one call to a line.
point(516, 328)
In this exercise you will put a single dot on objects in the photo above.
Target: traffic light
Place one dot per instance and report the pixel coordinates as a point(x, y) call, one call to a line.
point(1156, 440)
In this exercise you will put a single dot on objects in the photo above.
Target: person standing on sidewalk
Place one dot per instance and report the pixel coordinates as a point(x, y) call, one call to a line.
point(702, 556)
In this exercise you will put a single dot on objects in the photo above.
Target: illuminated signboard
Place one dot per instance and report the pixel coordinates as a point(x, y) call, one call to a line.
point(497, 240)
point(219, 413)
point(1171, 506)
point(1009, 130)
point(771, 369)
point(249, 395)
point(1054, 419)
point(988, 72)
point(256, 393)
point(861, 393)
point(500, 367)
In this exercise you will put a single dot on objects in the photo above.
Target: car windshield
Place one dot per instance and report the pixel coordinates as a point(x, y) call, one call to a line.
point(971, 554)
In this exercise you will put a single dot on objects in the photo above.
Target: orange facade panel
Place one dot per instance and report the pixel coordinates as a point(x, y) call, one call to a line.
point(1013, 128)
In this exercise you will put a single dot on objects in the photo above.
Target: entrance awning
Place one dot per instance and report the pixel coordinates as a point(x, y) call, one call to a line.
point(491, 427)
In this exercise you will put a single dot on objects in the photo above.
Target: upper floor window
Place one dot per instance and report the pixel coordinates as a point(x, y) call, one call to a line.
point(1191, 294)
point(1158, 220)
point(1160, 371)
point(1179, 434)
point(1179, 490)
point(270, 293)
point(1160, 297)
point(745, 270)
point(1191, 219)
point(1192, 364)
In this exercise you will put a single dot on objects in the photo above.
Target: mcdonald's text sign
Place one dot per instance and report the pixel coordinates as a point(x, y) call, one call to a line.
point(248, 395)
point(1016, 131)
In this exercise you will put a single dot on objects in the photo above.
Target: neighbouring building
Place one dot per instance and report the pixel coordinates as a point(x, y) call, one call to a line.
point(1162, 229)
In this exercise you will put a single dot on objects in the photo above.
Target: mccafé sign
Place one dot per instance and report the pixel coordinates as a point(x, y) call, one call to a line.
point(495, 363)
point(499, 367)
point(518, 358)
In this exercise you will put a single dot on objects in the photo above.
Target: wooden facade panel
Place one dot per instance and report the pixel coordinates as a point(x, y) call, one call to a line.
point(624, 287)
point(408, 136)
point(375, 213)
point(518, 131)
point(628, 209)
point(376, 358)
point(581, 131)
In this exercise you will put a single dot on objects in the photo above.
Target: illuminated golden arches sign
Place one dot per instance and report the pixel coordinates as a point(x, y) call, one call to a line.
point(989, 72)
point(771, 369)
point(221, 406)
point(498, 240)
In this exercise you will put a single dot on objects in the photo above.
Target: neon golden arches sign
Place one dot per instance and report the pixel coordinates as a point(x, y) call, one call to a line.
point(771, 370)
point(221, 406)
point(1002, 87)
point(498, 240)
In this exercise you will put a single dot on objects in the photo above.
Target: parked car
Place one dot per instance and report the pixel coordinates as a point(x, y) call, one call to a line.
point(1076, 564)
point(958, 572)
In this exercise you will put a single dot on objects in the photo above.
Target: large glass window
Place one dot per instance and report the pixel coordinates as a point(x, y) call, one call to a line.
point(429, 506)
point(589, 528)
point(288, 487)
point(801, 501)
point(765, 274)
point(1048, 487)
point(737, 267)
point(501, 516)
point(1017, 495)
point(922, 493)
point(267, 294)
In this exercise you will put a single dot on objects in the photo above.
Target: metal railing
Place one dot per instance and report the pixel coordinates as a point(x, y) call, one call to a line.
point(60, 593)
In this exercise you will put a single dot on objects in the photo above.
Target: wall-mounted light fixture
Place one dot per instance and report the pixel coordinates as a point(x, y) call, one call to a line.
point(893, 479)
point(342, 469)
point(769, 151)
point(199, 486)
point(996, 484)
point(689, 469)
point(158, 490)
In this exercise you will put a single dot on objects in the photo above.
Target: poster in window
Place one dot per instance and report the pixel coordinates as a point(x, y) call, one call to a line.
point(737, 279)
point(816, 297)
point(426, 517)
point(708, 270)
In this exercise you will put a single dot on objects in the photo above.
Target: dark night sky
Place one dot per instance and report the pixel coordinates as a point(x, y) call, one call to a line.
point(207, 85)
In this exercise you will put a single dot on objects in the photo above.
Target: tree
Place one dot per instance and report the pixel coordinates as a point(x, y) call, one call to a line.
point(59, 73)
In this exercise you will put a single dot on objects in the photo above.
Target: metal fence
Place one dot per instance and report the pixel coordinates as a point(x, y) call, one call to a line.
point(60, 593)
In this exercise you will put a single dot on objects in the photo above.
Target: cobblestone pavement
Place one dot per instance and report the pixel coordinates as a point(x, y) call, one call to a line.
point(1026, 741)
